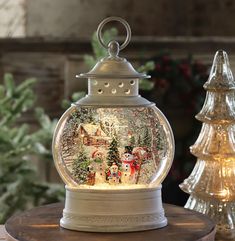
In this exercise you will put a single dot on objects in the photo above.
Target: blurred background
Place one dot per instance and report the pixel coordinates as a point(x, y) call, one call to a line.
point(44, 44)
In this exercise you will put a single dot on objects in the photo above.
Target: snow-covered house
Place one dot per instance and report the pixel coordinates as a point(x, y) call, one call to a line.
point(93, 135)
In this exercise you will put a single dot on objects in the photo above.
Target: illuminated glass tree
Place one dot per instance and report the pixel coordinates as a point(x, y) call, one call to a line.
point(211, 184)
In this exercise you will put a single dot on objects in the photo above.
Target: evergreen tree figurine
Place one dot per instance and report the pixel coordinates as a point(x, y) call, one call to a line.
point(132, 141)
point(139, 143)
point(211, 184)
point(146, 138)
point(113, 153)
point(80, 167)
point(159, 140)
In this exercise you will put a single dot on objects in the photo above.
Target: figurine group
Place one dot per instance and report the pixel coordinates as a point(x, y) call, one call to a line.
point(125, 172)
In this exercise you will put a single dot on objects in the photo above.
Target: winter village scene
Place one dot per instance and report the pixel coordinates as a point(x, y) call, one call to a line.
point(112, 147)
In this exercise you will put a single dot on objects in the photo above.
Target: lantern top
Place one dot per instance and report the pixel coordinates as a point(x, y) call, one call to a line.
point(113, 81)
point(113, 66)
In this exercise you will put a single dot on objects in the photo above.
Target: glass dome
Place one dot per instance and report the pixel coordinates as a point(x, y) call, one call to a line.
point(113, 148)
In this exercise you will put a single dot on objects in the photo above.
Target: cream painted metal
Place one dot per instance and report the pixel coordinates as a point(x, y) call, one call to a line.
point(113, 210)
point(113, 80)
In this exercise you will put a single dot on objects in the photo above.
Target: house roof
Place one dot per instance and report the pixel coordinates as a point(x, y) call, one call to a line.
point(91, 129)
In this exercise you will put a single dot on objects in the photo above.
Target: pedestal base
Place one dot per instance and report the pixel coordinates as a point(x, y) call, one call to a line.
point(113, 210)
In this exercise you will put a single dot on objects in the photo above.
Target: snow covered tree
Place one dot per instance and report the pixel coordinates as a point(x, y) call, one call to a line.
point(159, 138)
point(113, 153)
point(80, 167)
point(84, 115)
point(132, 141)
point(139, 141)
point(211, 184)
point(146, 141)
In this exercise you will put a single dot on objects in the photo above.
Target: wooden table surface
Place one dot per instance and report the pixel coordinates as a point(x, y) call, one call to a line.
point(42, 224)
point(2, 233)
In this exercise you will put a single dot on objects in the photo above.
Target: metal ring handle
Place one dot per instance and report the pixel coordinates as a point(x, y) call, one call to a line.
point(118, 19)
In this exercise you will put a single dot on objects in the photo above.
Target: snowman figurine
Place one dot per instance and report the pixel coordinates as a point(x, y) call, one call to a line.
point(129, 168)
point(98, 165)
point(114, 174)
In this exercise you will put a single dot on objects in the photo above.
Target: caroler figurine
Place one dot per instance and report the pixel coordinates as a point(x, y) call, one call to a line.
point(113, 149)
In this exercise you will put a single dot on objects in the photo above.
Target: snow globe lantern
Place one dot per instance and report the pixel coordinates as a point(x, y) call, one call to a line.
point(113, 149)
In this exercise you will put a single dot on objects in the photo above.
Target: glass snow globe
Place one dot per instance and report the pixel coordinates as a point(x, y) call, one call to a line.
point(113, 149)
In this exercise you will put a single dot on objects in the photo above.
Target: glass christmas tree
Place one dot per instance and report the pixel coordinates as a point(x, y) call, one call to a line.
point(211, 184)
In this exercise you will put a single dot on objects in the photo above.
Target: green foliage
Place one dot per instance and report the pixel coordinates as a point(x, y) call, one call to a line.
point(80, 167)
point(42, 139)
point(178, 91)
point(178, 82)
point(14, 100)
point(20, 186)
point(113, 153)
point(75, 97)
point(99, 52)
point(145, 84)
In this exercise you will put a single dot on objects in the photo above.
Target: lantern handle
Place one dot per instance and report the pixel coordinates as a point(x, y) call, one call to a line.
point(118, 19)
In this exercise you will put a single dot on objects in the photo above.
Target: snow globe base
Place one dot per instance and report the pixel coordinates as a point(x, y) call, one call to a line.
point(123, 210)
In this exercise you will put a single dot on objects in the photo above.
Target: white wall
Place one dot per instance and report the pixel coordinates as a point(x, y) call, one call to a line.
point(12, 18)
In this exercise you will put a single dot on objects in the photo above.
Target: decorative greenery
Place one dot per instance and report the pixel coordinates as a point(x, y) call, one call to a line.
point(178, 82)
point(14, 100)
point(179, 94)
point(75, 97)
point(98, 51)
point(20, 187)
point(42, 139)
